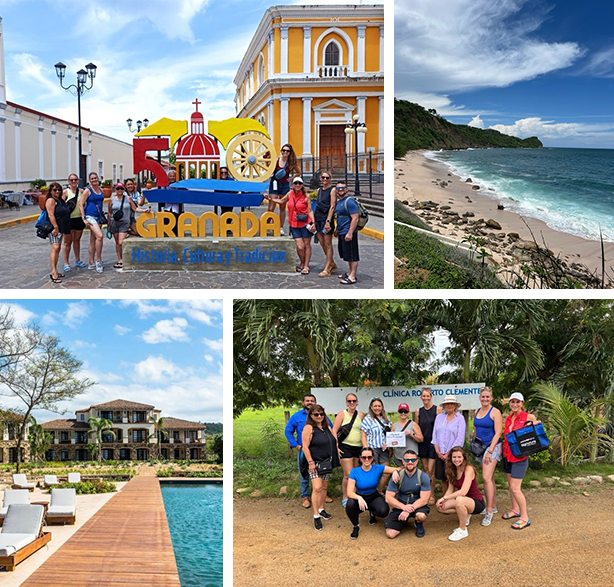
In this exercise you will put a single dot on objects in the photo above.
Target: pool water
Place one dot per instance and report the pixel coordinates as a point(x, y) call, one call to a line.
point(195, 515)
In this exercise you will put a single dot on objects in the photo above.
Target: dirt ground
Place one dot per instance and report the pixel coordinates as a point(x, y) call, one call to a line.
point(570, 542)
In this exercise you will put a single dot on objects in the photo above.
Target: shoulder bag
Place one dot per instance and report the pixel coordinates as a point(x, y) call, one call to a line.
point(325, 467)
point(476, 447)
point(119, 214)
point(43, 225)
point(345, 430)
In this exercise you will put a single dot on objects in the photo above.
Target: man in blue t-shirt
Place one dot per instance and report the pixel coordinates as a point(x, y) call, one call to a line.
point(347, 212)
point(408, 498)
point(294, 435)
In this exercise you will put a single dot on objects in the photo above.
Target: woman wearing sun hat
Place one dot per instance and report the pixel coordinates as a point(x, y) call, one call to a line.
point(413, 435)
point(448, 431)
point(515, 468)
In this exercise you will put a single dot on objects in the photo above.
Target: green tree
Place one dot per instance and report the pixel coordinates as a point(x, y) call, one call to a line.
point(98, 427)
point(218, 447)
point(158, 434)
point(41, 378)
point(40, 440)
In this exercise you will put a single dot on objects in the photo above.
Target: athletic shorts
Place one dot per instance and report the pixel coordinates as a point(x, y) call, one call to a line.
point(348, 250)
point(496, 454)
point(55, 240)
point(393, 522)
point(316, 475)
point(300, 232)
point(516, 470)
point(479, 506)
point(77, 223)
point(380, 456)
point(426, 450)
point(349, 452)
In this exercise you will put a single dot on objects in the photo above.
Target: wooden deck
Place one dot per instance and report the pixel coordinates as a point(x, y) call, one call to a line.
point(126, 543)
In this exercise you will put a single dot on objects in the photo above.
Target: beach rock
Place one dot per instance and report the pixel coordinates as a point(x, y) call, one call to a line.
point(469, 200)
point(534, 483)
point(471, 222)
point(463, 221)
point(256, 493)
point(493, 224)
point(475, 187)
point(513, 236)
point(405, 187)
point(500, 207)
point(406, 202)
point(549, 482)
point(244, 489)
point(445, 207)
point(521, 256)
point(581, 481)
point(450, 213)
point(468, 180)
point(526, 245)
point(449, 174)
point(610, 478)
point(501, 235)
point(468, 215)
point(283, 490)
point(595, 478)
point(565, 483)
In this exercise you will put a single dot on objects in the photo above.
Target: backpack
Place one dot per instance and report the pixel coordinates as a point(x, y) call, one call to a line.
point(363, 213)
point(401, 477)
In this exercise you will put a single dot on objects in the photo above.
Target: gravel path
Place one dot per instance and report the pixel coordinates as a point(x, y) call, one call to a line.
point(570, 542)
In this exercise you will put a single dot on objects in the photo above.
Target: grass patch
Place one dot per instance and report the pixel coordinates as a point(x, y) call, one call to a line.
point(429, 264)
point(248, 440)
point(403, 214)
point(90, 487)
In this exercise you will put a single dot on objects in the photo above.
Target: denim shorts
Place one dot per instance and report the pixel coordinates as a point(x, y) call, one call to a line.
point(300, 232)
point(282, 188)
point(320, 224)
point(91, 219)
point(496, 454)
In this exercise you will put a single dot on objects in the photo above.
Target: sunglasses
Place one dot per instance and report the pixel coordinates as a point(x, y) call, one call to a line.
point(318, 415)
point(409, 460)
point(403, 412)
point(325, 177)
point(223, 172)
point(297, 183)
point(364, 457)
point(119, 189)
point(73, 180)
point(56, 190)
point(351, 401)
point(285, 150)
point(341, 189)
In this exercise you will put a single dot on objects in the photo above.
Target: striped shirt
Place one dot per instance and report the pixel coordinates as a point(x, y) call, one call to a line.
point(375, 433)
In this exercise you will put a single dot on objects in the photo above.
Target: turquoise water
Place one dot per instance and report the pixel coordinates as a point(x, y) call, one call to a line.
point(572, 190)
point(195, 514)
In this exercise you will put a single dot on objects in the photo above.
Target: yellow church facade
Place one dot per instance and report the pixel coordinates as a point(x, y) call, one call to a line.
point(307, 72)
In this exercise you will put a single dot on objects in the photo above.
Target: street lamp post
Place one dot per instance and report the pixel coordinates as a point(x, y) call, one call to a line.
point(139, 124)
point(353, 128)
point(81, 88)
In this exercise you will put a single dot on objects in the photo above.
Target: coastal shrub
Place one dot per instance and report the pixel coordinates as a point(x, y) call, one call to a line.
point(403, 214)
point(433, 265)
point(91, 487)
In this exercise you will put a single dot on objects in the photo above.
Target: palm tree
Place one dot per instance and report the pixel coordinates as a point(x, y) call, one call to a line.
point(40, 440)
point(158, 434)
point(98, 427)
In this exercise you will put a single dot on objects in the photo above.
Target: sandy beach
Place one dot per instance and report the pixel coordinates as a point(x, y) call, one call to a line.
point(418, 179)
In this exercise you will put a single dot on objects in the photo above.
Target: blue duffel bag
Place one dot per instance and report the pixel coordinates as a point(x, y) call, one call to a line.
point(528, 440)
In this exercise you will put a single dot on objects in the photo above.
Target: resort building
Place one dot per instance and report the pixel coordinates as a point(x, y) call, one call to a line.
point(307, 72)
point(36, 145)
point(132, 437)
point(9, 427)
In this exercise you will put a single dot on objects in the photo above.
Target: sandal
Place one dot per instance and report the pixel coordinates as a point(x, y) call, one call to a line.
point(305, 271)
point(118, 265)
point(55, 279)
point(510, 515)
point(324, 273)
point(299, 268)
point(348, 281)
point(521, 524)
point(344, 276)
point(333, 268)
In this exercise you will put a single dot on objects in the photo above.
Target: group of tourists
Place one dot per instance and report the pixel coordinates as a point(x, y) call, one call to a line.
point(387, 481)
point(332, 204)
point(73, 209)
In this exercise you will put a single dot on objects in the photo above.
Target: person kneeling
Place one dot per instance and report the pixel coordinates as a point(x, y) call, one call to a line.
point(462, 495)
point(408, 497)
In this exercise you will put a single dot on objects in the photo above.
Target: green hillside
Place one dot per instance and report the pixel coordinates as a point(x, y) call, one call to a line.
point(417, 128)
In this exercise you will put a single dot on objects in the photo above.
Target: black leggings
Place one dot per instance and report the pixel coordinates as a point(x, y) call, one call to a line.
point(375, 503)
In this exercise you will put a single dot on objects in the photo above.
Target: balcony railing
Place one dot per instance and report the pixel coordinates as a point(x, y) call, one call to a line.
point(333, 71)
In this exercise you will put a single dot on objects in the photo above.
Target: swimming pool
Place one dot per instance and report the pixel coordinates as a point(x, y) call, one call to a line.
point(195, 513)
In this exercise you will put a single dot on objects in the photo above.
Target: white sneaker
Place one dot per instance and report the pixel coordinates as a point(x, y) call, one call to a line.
point(458, 534)
point(487, 519)
point(98, 267)
point(494, 511)
point(91, 266)
point(281, 232)
point(468, 520)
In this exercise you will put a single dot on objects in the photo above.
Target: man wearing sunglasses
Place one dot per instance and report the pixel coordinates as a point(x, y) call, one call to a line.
point(294, 434)
point(408, 497)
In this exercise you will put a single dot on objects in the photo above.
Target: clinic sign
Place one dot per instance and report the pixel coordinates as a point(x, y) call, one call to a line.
point(333, 398)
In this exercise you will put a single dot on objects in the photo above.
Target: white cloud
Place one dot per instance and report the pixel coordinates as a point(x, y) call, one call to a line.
point(476, 122)
point(460, 45)
point(173, 330)
point(206, 311)
point(31, 69)
point(601, 64)
point(82, 344)
point(216, 345)
point(548, 129)
point(21, 316)
point(208, 358)
point(121, 330)
point(156, 369)
point(76, 313)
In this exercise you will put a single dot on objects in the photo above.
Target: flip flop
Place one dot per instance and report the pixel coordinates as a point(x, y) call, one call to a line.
point(305, 271)
point(299, 268)
point(510, 515)
point(348, 281)
point(521, 524)
point(118, 265)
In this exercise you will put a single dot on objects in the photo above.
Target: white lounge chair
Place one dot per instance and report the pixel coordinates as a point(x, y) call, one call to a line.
point(11, 497)
point(51, 480)
point(63, 507)
point(20, 482)
point(22, 534)
point(74, 477)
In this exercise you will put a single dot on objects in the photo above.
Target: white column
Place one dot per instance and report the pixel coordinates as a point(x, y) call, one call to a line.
point(360, 110)
point(41, 148)
point(360, 55)
point(284, 49)
point(306, 49)
point(283, 122)
point(17, 146)
point(270, 120)
point(307, 127)
point(2, 143)
point(2, 76)
point(380, 139)
point(270, 59)
point(381, 48)
point(54, 132)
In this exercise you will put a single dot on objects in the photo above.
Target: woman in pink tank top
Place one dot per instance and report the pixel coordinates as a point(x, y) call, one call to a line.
point(462, 496)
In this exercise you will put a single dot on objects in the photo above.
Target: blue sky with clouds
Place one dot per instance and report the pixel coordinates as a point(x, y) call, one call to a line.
point(525, 67)
point(153, 56)
point(162, 352)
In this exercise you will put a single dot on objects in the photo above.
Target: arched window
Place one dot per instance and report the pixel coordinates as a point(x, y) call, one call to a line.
point(331, 54)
